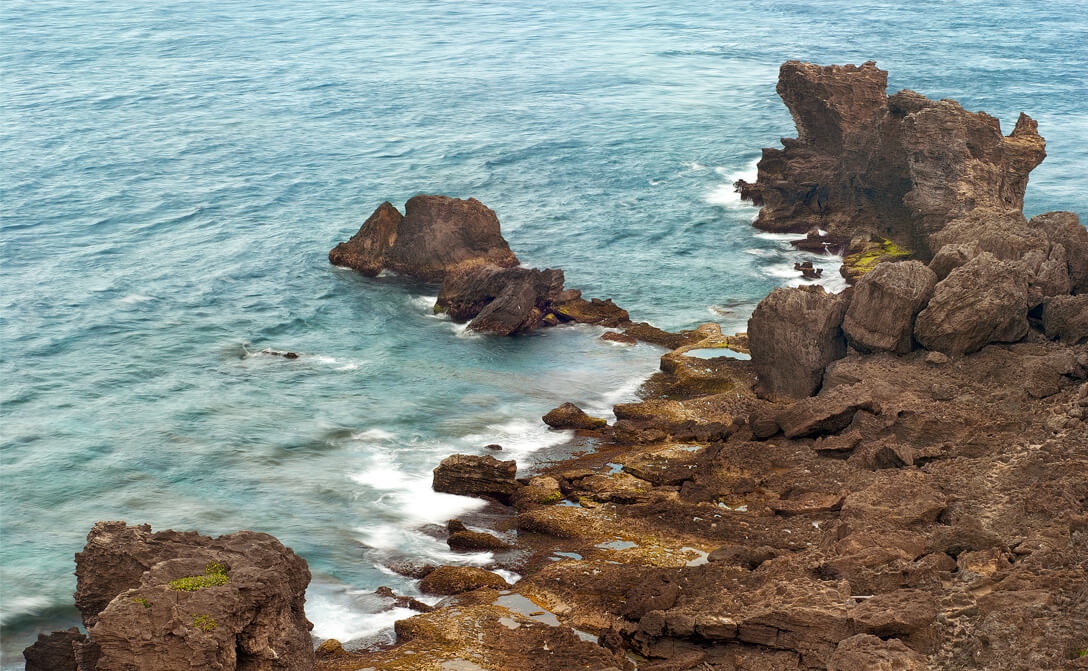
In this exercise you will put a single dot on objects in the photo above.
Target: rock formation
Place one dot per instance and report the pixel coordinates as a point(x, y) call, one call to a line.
point(471, 475)
point(885, 302)
point(436, 235)
point(178, 600)
point(901, 166)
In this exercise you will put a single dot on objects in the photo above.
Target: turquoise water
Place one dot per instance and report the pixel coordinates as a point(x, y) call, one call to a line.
point(174, 174)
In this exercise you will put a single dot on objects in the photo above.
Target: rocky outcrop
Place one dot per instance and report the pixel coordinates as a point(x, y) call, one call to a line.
point(178, 600)
point(470, 475)
point(885, 303)
point(900, 166)
point(983, 301)
point(792, 335)
point(447, 580)
point(1065, 229)
point(1066, 318)
point(436, 235)
point(570, 416)
point(502, 301)
point(54, 652)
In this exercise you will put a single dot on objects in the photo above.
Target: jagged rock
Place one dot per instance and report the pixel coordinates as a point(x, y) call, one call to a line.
point(54, 652)
point(1065, 229)
point(885, 303)
point(1066, 318)
point(366, 250)
point(503, 301)
point(865, 651)
point(742, 555)
point(437, 234)
point(793, 334)
point(173, 600)
point(1003, 233)
point(570, 416)
point(900, 166)
point(470, 475)
point(542, 490)
point(476, 541)
point(447, 580)
point(981, 302)
point(950, 257)
point(594, 311)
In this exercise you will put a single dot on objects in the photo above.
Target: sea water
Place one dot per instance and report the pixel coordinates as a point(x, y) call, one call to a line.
point(174, 174)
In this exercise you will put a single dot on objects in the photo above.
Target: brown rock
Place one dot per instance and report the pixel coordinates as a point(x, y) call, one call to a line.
point(476, 541)
point(470, 475)
point(884, 305)
point(1066, 318)
point(54, 652)
point(623, 338)
point(901, 166)
point(908, 614)
point(595, 311)
point(898, 499)
point(503, 301)
point(978, 303)
point(570, 416)
point(829, 412)
point(366, 250)
point(181, 600)
point(742, 555)
point(793, 334)
point(1065, 229)
point(447, 580)
point(865, 651)
point(950, 257)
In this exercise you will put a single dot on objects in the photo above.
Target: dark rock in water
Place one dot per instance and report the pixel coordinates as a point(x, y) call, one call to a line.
point(793, 334)
point(1065, 229)
point(901, 167)
point(1066, 318)
point(594, 311)
point(817, 243)
point(570, 416)
point(808, 271)
point(447, 580)
point(366, 250)
point(54, 652)
point(885, 303)
point(503, 301)
point(470, 475)
point(437, 234)
point(179, 600)
point(612, 336)
point(981, 302)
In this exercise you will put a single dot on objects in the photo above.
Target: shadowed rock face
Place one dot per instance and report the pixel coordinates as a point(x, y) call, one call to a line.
point(899, 166)
point(437, 234)
point(179, 600)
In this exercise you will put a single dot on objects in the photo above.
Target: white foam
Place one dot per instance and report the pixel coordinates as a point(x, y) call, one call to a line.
point(374, 434)
point(22, 605)
point(424, 302)
point(136, 298)
point(335, 615)
point(520, 437)
point(508, 576)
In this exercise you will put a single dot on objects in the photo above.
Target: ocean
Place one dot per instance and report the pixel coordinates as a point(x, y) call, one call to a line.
point(173, 174)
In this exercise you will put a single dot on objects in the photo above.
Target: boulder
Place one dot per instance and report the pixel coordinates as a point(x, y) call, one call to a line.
point(1066, 318)
point(901, 166)
point(448, 580)
point(470, 475)
point(896, 499)
point(885, 303)
point(1003, 233)
point(437, 234)
point(594, 311)
point(179, 600)
point(1065, 229)
point(981, 302)
point(570, 416)
point(792, 335)
point(950, 257)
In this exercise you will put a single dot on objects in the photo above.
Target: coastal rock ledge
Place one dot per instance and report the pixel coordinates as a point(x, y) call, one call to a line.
point(179, 601)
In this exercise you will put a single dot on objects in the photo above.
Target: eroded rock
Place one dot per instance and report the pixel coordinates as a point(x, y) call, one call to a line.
point(885, 303)
point(471, 475)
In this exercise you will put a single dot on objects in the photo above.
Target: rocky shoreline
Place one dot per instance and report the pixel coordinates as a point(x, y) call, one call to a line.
point(896, 479)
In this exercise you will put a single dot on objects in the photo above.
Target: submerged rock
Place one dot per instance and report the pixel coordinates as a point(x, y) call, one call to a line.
point(570, 416)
